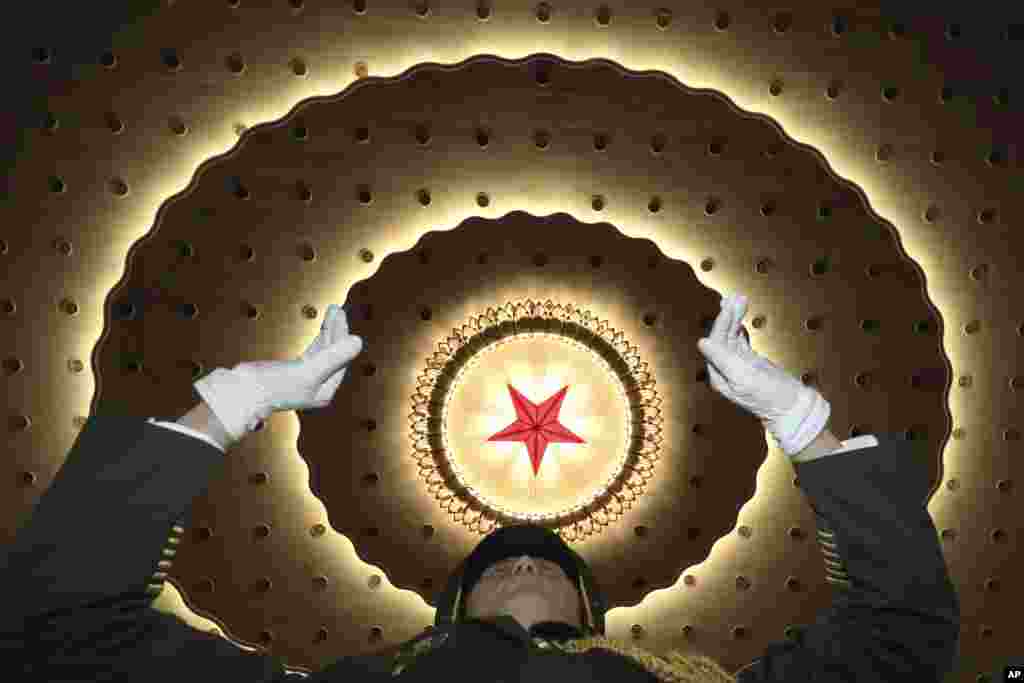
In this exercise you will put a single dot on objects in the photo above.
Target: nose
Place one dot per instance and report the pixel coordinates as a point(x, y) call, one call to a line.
point(526, 565)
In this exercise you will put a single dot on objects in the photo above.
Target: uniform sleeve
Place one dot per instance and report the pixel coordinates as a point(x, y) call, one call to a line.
point(896, 614)
point(78, 581)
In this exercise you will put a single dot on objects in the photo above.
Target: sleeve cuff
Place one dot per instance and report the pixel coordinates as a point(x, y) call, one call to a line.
point(856, 443)
point(186, 430)
point(865, 441)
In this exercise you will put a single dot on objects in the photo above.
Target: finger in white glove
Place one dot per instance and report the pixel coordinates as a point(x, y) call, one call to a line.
point(792, 412)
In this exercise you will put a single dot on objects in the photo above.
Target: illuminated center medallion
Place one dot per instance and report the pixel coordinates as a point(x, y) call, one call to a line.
point(536, 426)
point(536, 414)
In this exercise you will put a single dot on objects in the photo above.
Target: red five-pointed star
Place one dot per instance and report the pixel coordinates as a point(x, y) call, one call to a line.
point(536, 425)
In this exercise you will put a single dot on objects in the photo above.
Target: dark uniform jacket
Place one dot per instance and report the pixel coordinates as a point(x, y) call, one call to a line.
point(80, 577)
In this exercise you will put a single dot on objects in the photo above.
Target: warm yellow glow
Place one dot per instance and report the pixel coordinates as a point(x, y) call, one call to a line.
point(571, 475)
point(662, 52)
point(170, 601)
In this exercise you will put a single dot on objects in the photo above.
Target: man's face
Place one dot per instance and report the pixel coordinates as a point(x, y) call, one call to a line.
point(530, 589)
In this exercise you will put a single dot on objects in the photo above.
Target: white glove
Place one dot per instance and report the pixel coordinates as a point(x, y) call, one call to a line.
point(251, 392)
point(792, 412)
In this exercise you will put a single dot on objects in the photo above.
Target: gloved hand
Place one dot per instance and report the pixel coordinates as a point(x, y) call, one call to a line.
point(791, 411)
point(251, 392)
